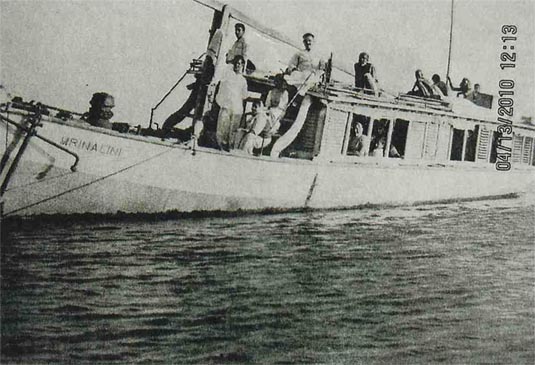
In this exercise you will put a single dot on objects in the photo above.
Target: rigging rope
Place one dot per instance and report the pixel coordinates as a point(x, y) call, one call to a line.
point(39, 181)
point(87, 184)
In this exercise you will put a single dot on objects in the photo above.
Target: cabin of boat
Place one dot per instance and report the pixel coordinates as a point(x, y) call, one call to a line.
point(417, 128)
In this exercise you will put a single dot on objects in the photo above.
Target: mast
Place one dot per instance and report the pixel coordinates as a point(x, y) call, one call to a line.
point(451, 33)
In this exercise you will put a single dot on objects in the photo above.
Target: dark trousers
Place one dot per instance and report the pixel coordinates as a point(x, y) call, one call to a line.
point(195, 99)
point(183, 112)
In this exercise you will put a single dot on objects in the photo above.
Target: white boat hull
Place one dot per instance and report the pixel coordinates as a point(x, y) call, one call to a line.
point(124, 173)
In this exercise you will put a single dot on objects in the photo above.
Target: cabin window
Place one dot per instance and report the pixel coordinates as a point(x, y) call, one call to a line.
point(378, 139)
point(457, 142)
point(463, 144)
point(471, 144)
point(399, 135)
point(358, 140)
point(365, 142)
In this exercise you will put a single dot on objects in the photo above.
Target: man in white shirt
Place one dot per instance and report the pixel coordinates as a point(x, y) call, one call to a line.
point(306, 59)
point(240, 47)
point(306, 66)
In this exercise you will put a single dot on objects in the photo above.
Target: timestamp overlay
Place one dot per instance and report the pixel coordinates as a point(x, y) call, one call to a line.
point(506, 96)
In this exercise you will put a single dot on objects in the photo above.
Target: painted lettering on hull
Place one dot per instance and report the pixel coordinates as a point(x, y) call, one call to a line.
point(90, 146)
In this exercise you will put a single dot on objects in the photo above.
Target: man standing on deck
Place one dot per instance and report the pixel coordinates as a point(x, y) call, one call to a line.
point(240, 47)
point(365, 75)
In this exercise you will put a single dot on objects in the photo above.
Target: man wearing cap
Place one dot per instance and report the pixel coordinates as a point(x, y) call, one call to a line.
point(305, 67)
point(306, 59)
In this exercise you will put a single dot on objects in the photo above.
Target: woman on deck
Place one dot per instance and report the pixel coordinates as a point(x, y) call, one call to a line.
point(230, 96)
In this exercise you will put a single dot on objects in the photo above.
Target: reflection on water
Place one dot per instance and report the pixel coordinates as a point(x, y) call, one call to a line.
point(440, 283)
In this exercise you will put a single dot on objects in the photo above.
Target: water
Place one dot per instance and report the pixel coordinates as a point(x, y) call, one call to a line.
point(450, 283)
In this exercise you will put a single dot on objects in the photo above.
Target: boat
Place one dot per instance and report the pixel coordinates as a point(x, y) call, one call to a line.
point(55, 162)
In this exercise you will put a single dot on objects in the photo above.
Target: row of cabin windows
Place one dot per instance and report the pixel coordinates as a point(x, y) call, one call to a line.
point(420, 140)
point(380, 136)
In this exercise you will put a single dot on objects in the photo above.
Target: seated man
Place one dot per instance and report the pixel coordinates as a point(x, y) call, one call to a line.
point(100, 113)
point(464, 89)
point(277, 100)
point(439, 86)
point(250, 137)
point(365, 75)
point(306, 66)
point(422, 87)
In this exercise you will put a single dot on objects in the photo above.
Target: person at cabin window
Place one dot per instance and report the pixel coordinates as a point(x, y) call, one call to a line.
point(358, 142)
point(422, 87)
point(232, 91)
point(378, 145)
point(366, 75)
point(439, 86)
point(464, 89)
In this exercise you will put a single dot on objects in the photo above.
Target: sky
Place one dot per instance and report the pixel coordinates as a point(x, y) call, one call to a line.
point(61, 52)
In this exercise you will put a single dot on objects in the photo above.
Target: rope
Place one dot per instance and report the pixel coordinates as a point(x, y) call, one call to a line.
point(39, 181)
point(86, 184)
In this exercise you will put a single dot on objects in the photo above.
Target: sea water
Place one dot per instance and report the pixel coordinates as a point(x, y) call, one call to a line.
point(447, 283)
